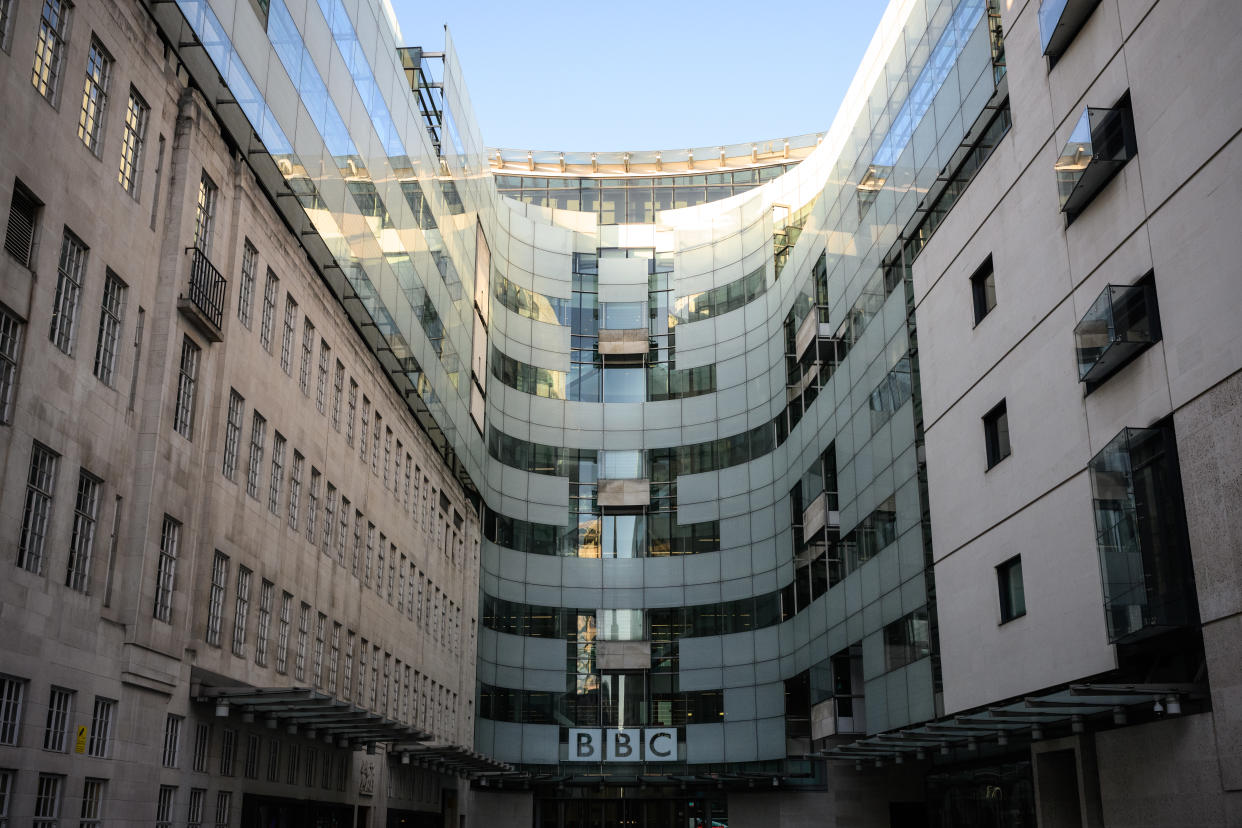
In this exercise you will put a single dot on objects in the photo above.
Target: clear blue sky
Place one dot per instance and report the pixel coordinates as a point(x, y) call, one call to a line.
point(641, 74)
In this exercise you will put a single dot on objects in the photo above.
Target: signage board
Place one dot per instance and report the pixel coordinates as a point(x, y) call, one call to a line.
point(648, 744)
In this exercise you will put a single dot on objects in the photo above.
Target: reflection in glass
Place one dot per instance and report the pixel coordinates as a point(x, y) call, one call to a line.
point(625, 385)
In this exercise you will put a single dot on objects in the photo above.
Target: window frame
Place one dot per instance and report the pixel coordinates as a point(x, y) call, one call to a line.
point(133, 142)
point(1005, 571)
point(99, 65)
point(996, 449)
point(983, 277)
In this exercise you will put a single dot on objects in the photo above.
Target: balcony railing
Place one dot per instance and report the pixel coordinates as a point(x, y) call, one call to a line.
point(1121, 323)
point(203, 301)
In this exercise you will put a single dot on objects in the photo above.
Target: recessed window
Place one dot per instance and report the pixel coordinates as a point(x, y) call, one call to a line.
point(983, 290)
point(187, 384)
point(23, 218)
point(1012, 592)
point(73, 257)
point(94, 95)
point(996, 434)
point(50, 48)
point(132, 141)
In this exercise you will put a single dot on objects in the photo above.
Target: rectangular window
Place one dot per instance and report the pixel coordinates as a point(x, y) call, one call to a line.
point(267, 319)
point(329, 519)
point(352, 411)
point(366, 578)
point(99, 741)
point(73, 256)
point(85, 512)
point(379, 568)
point(50, 47)
point(282, 634)
point(224, 807)
point(202, 743)
point(1012, 592)
point(165, 573)
point(194, 813)
point(996, 434)
point(164, 806)
point(387, 451)
point(906, 640)
point(299, 660)
point(286, 340)
point(187, 383)
point(375, 443)
point(312, 505)
point(252, 757)
point(10, 345)
point(334, 657)
point(23, 219)
point(278, 472)
point(94, 95)
point(40, 483)
point(258, 436)
point(6, 20)
point(361, 688)
point(983, 290)
point(409, 461)
point(241, 611)
point(59, 709)
point(12, 692)
point(228, 750)
point(92, 803)
point(132, 142)
point(295, 489)
point(347, 679)
point(110, 316)
point(215, 600)
point(232, 434)
point(245, 285)
point(338, 383)
point(321, 385)
point(365, 431)
point(291, 765)
point(357, 562)
point(321, 630)
point(172, 741)
point(308, 352)
point(205, 214)
point(273, 759)
point(342, 533)
point(47, 800)
point(265, 622)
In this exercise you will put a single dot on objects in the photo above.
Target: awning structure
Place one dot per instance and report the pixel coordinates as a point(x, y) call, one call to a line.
point(318, 715)
point(1029, 718)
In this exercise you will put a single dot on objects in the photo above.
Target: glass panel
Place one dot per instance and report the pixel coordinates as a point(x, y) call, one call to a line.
point(620, 625)
point(624, 315)
point(625, 385)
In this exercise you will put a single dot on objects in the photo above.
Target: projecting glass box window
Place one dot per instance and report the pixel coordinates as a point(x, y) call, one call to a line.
point(1060, 22)
point(996, 434)
point(1122, 322)
point(1012, 591)
point(1100, 144)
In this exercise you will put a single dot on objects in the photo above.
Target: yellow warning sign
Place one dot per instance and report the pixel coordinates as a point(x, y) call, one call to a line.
point(79, 746)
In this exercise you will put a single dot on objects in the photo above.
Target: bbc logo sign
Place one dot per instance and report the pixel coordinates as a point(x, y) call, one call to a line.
point(646, 745)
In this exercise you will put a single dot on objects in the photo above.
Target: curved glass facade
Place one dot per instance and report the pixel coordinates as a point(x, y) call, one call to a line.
point(686, 402)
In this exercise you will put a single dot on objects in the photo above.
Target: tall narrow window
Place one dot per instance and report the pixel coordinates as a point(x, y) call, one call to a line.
point(387, 451)
point(110, 317)
point(278, 472)
point(351, 413)
point(321, 630)
point(342, 532)
point(338, 383)
point(50, 47)
point(983, 290)
point(365, 431)
point(194, 813)
point(329, 518)
point(299, 661)
point(205, 214)
point(267, 320)
point(12, 692)
point(164, 806)
point(73, 256)
point(100, 735)
point(94, 95)
point(245, 285)
point(295, 489)
point(334, 657)
point(312, 504)
point(1012, 591)
point(10, 348)
point(286, 341)
point(23, 219)
point(996, 434)
point(47, 800)
point(215, 599)
point(258, 436)
point(347, 676)
point(187, 383)
point(59, 711)
point(224, 808)
point(375, 443)
point(133, 377)
point(241, 611)
point(92, 803)
point(232, 434)
point(133, 139)
point(6, 19)
point(308, 352)
point(265, 623)
point(40, 483)
point(321, 386)
point(282, 635)
point(228, 750)
point(166, 570)
point(172, 740)
point(82, 543)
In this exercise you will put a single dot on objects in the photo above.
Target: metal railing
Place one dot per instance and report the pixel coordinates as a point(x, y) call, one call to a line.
point(207, 287)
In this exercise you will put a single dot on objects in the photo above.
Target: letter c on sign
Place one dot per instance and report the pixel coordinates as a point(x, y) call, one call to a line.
point(651, 746)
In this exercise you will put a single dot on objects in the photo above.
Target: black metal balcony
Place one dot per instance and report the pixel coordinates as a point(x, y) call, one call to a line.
point(203, 302)
point(1121, 323)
